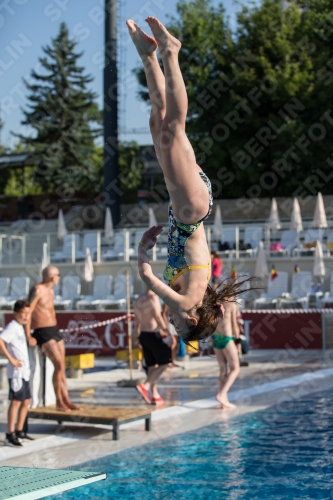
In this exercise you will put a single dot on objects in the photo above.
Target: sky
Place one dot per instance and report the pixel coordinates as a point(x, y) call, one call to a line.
point(28, 25)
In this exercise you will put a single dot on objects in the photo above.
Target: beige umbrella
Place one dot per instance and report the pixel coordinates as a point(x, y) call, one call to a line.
point(88, 268)
point(296, 217)
point(217, 225)
point(108, 225)
point(319, 219)
point(319, 264)
point(274, 220)
point(45, 260)
point(62, 231)
point(261, 269)
point(152, 218)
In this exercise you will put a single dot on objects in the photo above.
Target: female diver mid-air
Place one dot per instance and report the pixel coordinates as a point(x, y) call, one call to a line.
point(195, 307)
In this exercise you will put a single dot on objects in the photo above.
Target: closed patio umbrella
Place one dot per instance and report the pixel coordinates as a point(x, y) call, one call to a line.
point(62, 231)
point(296, 223)
point(319, 264)
point(108, 225)
point(261, 269)
point(152, 218)
point(319, 218)
point(274, 220)
point(44, 261)
point(88, 268)
point(217, 225)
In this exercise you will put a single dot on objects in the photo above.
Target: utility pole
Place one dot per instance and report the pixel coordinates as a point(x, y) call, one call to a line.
point(111, 187)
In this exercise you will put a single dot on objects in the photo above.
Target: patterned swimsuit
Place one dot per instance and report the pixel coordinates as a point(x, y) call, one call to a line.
point(178, 235)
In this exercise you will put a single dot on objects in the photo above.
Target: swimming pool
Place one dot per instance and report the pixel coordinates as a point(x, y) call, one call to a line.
point(283, 452)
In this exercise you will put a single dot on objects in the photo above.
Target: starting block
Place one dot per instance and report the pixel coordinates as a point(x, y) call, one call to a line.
point(77, 363)
point(80, 361)
point(123, 355)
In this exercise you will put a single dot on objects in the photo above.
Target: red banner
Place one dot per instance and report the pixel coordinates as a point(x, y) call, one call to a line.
point(283, 330)
point(264, 330)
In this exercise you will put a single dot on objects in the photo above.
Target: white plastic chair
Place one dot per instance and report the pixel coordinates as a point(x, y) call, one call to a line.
point(276, 288)
point(228, 236)
point(137, 238)
point(289, 241)
point(4, 290)
point(329, 243)
point(118, 249)
point(89, 241)
point(252, 237)
point(311, 236)
point(327, 300)
point(19, 290)
point(71, 289)
point(119, 296)
point(102, 290)
point(301, 286)
point(66, 253)
point(4, 287)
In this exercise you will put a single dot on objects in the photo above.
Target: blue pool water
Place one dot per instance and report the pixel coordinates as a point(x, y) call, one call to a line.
point(284, 452)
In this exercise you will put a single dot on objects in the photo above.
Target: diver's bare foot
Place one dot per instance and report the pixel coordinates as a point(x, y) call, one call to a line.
point(145, 45)
point(167, 43)
point(225, 404)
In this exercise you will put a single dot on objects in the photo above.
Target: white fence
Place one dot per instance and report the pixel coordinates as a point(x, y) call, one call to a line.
point(26, 248)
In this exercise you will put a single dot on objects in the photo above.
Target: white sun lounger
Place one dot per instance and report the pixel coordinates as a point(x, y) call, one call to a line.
point(102, 290)
point(19, 290)
point(276, 288)
point(71, 289)
point(119, 296)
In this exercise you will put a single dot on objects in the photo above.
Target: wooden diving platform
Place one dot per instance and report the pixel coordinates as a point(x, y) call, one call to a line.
point(23, 483)
point(91, 414)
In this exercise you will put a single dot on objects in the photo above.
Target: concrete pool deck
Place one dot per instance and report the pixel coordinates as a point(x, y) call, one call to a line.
point(274, 378)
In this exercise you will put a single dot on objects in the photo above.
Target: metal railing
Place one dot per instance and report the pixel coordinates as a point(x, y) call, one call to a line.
point(26, 248)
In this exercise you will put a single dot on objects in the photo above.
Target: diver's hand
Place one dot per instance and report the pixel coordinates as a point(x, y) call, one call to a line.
point(149, 238)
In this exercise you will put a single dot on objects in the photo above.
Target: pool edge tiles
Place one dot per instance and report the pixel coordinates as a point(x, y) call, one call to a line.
point(256, 390)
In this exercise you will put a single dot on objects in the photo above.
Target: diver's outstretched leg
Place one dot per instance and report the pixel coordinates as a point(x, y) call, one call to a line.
point(189, 194)
point(146, 47)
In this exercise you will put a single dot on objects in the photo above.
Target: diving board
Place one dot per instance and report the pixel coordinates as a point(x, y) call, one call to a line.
point(91, 414)
point(23, 483)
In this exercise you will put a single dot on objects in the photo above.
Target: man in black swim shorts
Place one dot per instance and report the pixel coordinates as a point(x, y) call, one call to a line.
point(46, 333)
point(155, 340)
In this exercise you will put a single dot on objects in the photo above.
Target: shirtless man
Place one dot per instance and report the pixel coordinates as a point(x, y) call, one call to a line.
point(151, 330)
point(46, 333)
point(226, 352)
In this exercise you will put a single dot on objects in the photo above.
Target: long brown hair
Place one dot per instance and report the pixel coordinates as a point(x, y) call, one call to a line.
point(209, 311)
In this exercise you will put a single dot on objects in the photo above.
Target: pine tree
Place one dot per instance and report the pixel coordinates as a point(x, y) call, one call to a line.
point(64, 116)
point(5, 172)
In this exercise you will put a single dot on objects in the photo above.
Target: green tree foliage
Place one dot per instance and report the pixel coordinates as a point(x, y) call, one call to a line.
point(4, 172)
point(64, 116)
point(258, 94)
point(130, 165)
